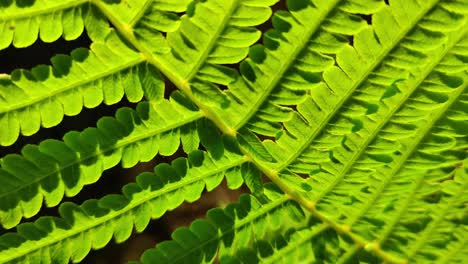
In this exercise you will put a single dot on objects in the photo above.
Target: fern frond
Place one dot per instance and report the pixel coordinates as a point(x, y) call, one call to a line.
point(87, 78)
point(54, 168)
point(22, 22)
point(227, 230)
point(356, 110)
point(419, 181)
point(207, 92)
point(93, 224)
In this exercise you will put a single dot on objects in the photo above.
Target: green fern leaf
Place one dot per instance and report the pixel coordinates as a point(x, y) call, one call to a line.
point(356, 111)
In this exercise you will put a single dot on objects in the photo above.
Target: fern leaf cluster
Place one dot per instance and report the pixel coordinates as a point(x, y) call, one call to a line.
point(346, 120)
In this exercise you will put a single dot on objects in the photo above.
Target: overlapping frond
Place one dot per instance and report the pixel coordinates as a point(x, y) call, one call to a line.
point(53, 168)
point(392, 188)
point(368, 100)
point(426, 100)
point(418, 170)
point(369, 80)
point(93, 224)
